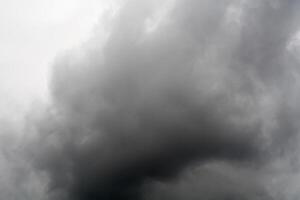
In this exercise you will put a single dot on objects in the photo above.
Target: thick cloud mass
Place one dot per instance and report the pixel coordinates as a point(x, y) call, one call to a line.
point(182, 99)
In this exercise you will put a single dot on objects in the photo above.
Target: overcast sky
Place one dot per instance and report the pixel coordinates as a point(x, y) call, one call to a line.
point(149, 99)
point(32, 33)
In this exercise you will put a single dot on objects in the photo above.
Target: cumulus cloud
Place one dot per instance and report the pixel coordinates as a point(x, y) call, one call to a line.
point(174, 100)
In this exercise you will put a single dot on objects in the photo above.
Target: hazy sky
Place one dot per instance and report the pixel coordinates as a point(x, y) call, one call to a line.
point(32, 33)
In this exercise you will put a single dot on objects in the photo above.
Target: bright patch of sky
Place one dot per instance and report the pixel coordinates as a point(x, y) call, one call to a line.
point(33, 33)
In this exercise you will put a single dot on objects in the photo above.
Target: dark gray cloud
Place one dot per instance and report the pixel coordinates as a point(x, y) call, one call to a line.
point(183, 100)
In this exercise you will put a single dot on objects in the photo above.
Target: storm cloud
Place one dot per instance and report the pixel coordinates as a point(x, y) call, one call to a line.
point(174, 100)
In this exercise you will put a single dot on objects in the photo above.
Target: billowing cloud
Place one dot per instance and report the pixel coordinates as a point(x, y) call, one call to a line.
point(174, 100)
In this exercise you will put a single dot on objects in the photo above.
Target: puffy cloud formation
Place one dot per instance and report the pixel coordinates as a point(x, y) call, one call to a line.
point(176, 99)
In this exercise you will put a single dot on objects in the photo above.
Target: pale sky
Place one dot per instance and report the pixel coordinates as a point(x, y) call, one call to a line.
point(33, 33)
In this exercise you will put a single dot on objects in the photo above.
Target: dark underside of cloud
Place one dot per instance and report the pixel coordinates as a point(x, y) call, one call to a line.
point(182, 99)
